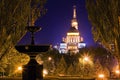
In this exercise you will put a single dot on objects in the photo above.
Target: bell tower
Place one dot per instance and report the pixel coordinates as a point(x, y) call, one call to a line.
point(74, 22)
point(73, 40)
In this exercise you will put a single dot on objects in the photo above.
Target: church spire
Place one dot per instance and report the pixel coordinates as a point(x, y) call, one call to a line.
point(74, 11)
point(74, 22)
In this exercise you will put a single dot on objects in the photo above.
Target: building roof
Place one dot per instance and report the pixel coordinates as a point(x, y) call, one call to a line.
point(73, 29)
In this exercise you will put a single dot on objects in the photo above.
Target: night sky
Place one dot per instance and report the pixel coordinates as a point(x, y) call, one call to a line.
point(57, 21)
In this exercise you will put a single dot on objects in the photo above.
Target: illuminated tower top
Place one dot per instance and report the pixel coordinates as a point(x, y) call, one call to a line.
point(73, 41)
point(74, 12)
point(74, 22)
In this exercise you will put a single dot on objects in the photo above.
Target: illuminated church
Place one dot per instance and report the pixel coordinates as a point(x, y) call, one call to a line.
point(73, 40)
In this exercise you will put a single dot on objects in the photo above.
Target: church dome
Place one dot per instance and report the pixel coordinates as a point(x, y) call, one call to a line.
point(73, 29)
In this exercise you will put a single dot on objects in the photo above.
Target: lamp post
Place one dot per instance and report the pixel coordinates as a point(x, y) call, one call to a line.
point(85, 59)
point(50, 66)
point(101, 76)
point(19, 70)
point(117, 73)
point(49, 58)
point(45, 72)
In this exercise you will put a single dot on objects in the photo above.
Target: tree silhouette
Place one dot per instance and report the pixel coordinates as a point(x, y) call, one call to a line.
point(98, 68)
point(61, 67)
point(77, 69)
point(105, 19)
point(70, 70)
point(14, 16)
point(106, 72)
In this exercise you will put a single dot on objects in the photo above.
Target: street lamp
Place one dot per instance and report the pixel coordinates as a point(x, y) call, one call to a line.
point(101, 76)
point(49, 58)
point(117, 72)
point(18, 71)
point(86, 58)
point(19, 68)
point(51, 67)
point(83, 60)
point(45, 72)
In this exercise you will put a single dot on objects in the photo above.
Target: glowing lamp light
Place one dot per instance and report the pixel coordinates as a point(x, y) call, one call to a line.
point(86, 58)
point(20, 68)
point(117, 71)
point(45, 72)
point(49, 58)
point(101, 75)
point(73, 34)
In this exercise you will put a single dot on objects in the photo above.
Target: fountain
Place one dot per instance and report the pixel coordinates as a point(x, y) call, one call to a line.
point(32, 70)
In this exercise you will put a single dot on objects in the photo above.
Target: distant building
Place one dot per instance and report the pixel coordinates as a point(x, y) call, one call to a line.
point(73, 40)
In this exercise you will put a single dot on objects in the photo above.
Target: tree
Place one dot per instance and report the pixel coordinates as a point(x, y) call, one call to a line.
point(98, 68)
point(61, 67)
point(105, 18)
point(77, 69)
point(3, 64)
point(106, 72)
point(14, 16)
point(70, 70)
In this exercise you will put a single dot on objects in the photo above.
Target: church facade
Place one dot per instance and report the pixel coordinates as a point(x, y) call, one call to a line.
point(73, 40)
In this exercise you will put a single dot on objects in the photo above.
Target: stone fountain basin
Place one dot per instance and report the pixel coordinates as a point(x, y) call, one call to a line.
point(30, 49)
